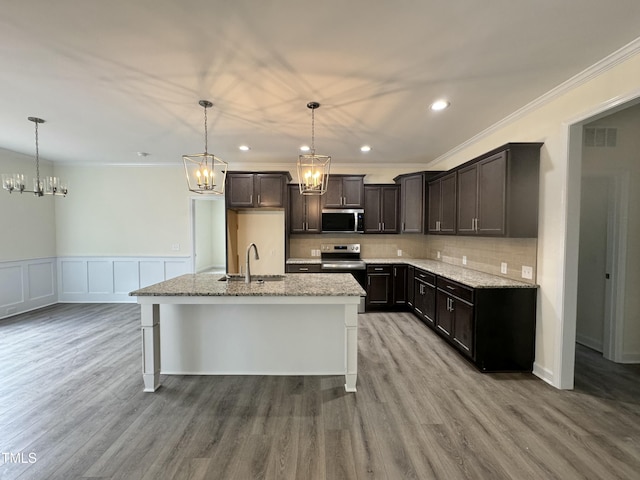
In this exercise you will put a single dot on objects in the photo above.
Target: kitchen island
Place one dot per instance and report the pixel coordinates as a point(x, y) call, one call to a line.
point(292, 324)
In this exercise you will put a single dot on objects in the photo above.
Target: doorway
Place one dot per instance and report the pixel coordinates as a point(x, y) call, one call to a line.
point(208, 234)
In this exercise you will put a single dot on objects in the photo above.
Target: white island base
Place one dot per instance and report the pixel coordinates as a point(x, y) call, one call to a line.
point(255, 335)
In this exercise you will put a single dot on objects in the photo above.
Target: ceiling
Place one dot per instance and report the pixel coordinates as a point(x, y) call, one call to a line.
point(115, 78)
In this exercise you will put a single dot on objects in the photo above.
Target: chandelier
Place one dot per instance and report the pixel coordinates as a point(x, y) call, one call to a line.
point(41, 186)
point(313, 170)
point(205, 172)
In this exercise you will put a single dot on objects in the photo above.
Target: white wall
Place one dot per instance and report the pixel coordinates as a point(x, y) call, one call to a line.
point(28, 222)
point(120, 211)
point(548, 121)
point(209, 228)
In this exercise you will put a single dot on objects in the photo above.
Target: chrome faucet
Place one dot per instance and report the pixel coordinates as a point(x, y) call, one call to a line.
point(247, 273)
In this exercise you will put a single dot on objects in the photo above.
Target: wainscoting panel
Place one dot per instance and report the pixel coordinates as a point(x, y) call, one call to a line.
point(110, 279)
point(26, 285)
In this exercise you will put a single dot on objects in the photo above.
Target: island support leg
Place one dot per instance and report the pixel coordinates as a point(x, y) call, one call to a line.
point(150, 317)
point(351, 346)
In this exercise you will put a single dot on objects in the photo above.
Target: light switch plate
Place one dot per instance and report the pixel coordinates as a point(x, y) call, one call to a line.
point(438, 254)
point(503, 267)
point(399, 252)
point(527, 272)
point(464, 259)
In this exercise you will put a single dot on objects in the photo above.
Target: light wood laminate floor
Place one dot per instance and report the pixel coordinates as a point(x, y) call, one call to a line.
point(71, 397)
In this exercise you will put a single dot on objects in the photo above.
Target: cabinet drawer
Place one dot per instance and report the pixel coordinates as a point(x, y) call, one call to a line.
point(380, 269)
point(303, 268)
point(455, 289)
point(426, 277)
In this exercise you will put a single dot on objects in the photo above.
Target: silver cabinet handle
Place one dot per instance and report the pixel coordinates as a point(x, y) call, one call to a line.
point(382, 225)
point(258, 199)
point(303, 269)
point(378, 269)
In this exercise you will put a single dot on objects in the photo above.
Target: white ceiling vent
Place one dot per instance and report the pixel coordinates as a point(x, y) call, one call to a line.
point(600, 137)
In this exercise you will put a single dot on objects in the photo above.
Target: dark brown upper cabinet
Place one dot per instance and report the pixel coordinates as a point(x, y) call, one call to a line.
point(256, 190)
point(344, 191)
point(497, 193)
point(442, 200)
point(381, 208)
point(413, 200)
point(304, 212)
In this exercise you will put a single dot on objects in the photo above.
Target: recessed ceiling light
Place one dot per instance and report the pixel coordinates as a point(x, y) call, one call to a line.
point(244, 148)
point(439, 105)
point(305, 148)
point(365, 148)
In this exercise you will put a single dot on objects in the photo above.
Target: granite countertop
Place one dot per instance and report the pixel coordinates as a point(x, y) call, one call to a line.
point(290, 285)
point(466, 276)
point(297, 261)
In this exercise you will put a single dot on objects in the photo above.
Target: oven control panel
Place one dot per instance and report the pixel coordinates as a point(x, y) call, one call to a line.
point(344, 248)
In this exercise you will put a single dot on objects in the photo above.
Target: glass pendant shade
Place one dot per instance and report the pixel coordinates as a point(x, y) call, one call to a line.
point(313, 170)
point(206, 173)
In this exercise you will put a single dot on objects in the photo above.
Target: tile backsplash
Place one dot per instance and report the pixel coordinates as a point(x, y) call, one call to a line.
point(482, 253)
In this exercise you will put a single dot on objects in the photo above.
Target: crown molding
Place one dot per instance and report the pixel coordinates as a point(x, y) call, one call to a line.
point(610, 61)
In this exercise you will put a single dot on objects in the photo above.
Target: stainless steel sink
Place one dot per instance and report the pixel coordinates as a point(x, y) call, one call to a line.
point(254, 278)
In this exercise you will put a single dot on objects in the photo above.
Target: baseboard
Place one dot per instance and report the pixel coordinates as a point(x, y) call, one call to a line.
point(630, 358)
point(589, 342)
point(543, 374)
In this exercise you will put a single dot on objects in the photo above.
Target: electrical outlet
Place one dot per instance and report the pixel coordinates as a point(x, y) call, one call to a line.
point(438, 254)
point(503, 267)
point(527, 272)
point(175, 247)
point(399, 252)
point(464, 259)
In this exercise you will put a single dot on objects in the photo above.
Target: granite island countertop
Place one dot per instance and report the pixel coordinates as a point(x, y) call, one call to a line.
point(291, 284)
point(466, 276)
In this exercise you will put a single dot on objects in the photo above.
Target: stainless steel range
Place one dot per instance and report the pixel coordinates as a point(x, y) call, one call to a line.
point(344, 258)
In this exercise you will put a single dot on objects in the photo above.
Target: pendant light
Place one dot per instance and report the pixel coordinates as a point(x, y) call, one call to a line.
point(313, 170)
point(41, 186)
point(205, 172)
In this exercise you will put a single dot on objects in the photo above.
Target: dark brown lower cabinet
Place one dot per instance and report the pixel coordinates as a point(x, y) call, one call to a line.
point(424, 290)
point(400, 294)
point(379, 287)
point(493, 327)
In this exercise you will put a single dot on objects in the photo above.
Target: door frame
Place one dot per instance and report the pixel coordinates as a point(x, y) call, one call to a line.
point(565, 349)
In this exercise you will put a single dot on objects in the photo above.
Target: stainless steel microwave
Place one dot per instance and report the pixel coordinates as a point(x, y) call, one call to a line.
point(343, 220)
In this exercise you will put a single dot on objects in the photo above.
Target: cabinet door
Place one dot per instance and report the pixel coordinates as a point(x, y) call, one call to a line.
point(492, 183)
point(269, 190)
point(444, 316)
point(372, 202)
point(297, 221)
point(412, 204)
point(379, 289)
point(410, 285)
point(352, 192)
point(448, 200)
point(333, 195)
point(463, 326)
point(399, 284)
point(312, 213)
point(429, 304)
point(239, 190)
point(467, 199)
point(389, 209)
point(433, 215)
